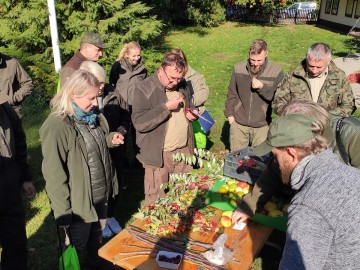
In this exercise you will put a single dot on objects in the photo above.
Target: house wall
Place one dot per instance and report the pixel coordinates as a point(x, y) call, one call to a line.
point(340, 21)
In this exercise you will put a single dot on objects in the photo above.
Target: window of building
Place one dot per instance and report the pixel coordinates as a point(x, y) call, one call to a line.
point(349, 8)
point(335, 7)
point(327, 6)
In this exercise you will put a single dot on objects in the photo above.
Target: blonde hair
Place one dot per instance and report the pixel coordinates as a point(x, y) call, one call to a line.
point(80, 83)
point(95, 69)
point(127, 47)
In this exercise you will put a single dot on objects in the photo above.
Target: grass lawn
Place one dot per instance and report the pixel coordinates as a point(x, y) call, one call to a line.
point(212, 52)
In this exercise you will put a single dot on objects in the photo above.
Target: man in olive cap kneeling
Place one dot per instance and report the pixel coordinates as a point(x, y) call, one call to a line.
point(91, 48)
point(324, 214)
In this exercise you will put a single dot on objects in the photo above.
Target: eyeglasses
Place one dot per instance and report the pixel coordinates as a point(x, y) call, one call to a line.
point(172, 78)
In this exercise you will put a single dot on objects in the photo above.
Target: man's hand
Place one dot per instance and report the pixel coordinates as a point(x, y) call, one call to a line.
point(231, 119)
point(117, 139)
point(173, 104)
point(239, 216)
point(256, 84)
point(191, 115)
point(29, 189)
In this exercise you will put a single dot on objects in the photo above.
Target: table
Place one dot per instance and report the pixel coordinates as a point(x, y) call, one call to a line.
point(245, 244)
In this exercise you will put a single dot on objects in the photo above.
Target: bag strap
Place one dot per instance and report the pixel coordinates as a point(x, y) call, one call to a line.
point(59, 247)
point(339, 143)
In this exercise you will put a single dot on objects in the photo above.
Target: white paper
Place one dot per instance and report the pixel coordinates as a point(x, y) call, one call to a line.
point(239, 226)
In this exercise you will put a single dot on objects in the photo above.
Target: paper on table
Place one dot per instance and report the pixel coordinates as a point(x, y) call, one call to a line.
point(239, 226)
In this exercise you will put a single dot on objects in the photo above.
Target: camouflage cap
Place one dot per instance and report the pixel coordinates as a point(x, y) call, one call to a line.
point(94, 39)
point(288, 130)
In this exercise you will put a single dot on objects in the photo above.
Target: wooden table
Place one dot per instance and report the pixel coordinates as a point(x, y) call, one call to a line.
point(245, 244)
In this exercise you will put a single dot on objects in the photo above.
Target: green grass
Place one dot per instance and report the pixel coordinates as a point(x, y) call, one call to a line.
point(212, 52)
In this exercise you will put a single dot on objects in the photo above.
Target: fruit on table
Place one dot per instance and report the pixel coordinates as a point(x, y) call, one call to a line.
point(225, 221)
point(227, 214)
point(269, 206)
point(275, 213)
point(232, 187)
point(223, 189)
point(233, 203)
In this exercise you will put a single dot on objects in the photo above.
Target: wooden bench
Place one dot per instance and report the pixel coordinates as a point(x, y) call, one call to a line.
point(245, 244)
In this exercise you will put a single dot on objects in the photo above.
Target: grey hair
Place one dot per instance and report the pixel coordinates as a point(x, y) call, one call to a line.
point(308, 108)
point(80, 83)
point(95, 69)
point(318, 52)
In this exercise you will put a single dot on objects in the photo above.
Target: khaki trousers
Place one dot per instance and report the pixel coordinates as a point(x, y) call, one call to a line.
point(243, 136)
point(155, 177)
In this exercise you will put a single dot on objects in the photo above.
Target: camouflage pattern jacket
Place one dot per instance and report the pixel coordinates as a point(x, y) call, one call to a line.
point(336, 93)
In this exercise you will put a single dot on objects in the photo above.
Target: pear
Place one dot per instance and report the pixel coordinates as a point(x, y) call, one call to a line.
point(275, 213)
point(270, 206)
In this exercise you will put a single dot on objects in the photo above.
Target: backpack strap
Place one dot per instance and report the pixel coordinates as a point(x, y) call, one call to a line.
point(339, 143)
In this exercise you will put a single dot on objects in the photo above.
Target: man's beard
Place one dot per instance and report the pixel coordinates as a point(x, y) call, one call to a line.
point(255, 70)
point(286, 172)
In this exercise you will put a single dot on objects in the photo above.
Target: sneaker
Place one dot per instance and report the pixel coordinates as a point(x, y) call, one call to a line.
point(106, 232)
point(114, 225)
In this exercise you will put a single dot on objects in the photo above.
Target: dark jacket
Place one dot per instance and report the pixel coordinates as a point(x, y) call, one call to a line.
point(13, 157)
point(150, 116)
point(124, 78)
point(335, 95)
point(14, 81)
point(73, 64)
point(115, 109)
point(66, 172)
point(269, 182)
point(249, 106)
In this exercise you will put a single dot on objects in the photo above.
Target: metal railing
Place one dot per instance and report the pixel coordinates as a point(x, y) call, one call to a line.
point(273, 15)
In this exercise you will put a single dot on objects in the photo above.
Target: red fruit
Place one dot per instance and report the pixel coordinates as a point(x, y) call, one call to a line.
point(242, 184)
point(204, 178)
point(204, 187)
point(191, 186)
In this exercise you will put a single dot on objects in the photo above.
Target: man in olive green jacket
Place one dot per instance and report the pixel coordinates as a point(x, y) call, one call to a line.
point(317, 79)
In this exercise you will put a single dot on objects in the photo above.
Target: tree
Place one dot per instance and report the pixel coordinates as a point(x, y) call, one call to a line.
point(25, 32)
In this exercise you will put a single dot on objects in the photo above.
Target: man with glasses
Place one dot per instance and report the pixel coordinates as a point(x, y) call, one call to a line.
point(251, 90)
point(91, 48)
point(161, 113)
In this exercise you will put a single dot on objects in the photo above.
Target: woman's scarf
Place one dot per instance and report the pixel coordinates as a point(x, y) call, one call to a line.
point(86, 117)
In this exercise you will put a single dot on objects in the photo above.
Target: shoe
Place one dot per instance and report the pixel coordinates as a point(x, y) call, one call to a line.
point(106, 232)
point(114, 225)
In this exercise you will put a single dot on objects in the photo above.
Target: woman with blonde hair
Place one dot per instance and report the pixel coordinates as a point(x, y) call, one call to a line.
point(76, 163)
point(128, 70)
point(113, 107)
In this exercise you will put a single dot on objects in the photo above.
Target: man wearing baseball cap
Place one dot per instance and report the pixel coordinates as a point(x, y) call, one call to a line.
point(323, 216)
point(91, 48)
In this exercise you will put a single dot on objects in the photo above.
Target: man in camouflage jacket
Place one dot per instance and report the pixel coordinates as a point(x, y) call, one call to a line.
point(317, 79)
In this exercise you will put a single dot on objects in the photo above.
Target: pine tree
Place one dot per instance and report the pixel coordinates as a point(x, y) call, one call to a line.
point(25, 32)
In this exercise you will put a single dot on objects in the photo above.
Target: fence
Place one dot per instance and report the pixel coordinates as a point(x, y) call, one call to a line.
point(273, 15)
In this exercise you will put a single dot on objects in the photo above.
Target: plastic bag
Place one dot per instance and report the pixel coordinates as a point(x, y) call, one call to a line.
point(220, 255)
point(69, 259)
point(199, 135)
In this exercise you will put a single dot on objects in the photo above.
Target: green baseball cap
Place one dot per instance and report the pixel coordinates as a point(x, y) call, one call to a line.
point(94, 39)
point(288, 130)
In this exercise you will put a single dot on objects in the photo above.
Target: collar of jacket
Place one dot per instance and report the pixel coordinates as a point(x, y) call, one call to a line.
point(80, 56)
point(300, 71)
point(126, 65)
point(262, 68)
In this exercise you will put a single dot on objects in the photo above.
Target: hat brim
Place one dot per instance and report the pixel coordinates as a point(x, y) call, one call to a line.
point(101, 46)
point(262, 149)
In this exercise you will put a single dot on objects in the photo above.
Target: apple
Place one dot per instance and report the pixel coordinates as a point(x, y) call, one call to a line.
point(242, 184)
point(232, 187)
point(225, 221)
point(227, 214)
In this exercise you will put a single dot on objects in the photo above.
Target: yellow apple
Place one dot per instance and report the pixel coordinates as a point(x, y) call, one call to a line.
point(225, 221)
point(232, 187)
point(231, 181)
point(227, 214)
